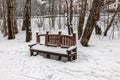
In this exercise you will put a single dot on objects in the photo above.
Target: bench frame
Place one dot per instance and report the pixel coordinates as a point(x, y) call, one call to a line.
point(57, 40)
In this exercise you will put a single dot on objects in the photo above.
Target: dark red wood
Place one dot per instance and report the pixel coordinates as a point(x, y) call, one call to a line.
point(57, 40)
point(46, 38)
point(37, 38)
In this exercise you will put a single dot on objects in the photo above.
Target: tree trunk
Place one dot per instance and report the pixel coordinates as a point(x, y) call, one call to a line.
point(24, 16)
point(82, 18)
point(53, 14)
point(93, 17)
point(59, 15)
point(28, 20)
point(108, 27)
point(71, 16)
point(10, 19)
point(98, 30)
point(68, 23)
point(14, 19)
point(4, 18)
point(0, 8)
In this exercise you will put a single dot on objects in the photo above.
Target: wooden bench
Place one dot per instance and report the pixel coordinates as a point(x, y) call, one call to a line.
point(55, 44)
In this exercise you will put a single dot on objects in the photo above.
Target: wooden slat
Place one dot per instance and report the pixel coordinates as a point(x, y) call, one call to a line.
point(58, 39)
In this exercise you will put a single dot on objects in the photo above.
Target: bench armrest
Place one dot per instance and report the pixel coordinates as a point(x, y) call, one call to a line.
point(72, 48)
point(31, 45)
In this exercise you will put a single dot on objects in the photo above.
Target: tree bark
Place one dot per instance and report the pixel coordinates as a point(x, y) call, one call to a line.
point(14, 19)
point(69, 16)
point(108, 27)
point(4, 18)
point(93, 17)
point(60, 14)
point(0, 8)
point(24, 17)
point(98, 30)
point(53, 14)
point(10, 19)
point(68, 23)
point(82, 18)
point(28, 20)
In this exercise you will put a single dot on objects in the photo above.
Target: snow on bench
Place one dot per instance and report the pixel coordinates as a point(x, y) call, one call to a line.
point(49, 49)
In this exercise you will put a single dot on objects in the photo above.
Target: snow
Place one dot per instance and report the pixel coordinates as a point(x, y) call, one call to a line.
point(99, 61)
point(72, 47)
point(50, 49)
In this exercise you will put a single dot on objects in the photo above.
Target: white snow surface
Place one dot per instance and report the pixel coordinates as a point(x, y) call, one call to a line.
point(99, 61)
point(50, 49)
point(58, 50)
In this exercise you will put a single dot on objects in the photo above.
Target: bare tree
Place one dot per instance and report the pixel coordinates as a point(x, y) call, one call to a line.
point(0, 8)
point(10, 19)
point(27, 20)
point(82, 18)
point(4, 27)
point(92, 19)
point(60, 14)
point(69, 16)
point(24, 18)
point(68, 23)
point(14, 17)
point(109, 25)
point(53, 14)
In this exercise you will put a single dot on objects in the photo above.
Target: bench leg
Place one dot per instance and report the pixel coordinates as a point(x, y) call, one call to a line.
point(48, 56)
point(69, 58)
point(59, 58)
point(31, 52)
point(75, 56)
point(69, 55)
point(36, 53)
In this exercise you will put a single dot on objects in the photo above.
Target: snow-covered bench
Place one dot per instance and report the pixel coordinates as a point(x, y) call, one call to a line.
point(55, 44)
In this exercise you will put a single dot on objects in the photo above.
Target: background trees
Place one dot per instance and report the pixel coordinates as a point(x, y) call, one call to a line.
point(69, 6)
point(82, 18)
point(8, 14)
point(4, 15)
point(10, 19)
point(27, 20)
point(70, 15)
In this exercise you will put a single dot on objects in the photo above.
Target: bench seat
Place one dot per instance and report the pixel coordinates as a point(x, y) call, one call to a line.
point(50, 49)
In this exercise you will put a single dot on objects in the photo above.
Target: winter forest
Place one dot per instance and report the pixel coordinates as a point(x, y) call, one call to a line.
point(59, 39)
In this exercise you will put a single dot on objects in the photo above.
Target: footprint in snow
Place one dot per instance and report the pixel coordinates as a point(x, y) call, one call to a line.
point(1, 52)
point(118, 62)
point(110, 50)
point(92, 73)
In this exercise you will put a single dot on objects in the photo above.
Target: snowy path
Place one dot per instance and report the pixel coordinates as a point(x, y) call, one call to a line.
point(100, 62)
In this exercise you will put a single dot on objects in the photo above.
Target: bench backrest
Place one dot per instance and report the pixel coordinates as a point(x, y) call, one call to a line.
point(57, 39)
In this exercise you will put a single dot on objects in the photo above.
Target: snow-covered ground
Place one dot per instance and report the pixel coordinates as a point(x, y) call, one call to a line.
point(99, 61)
